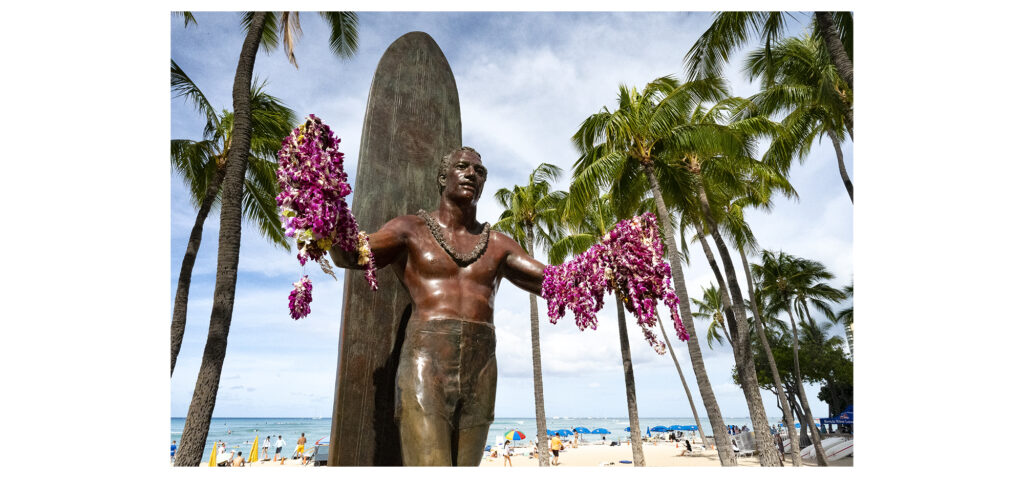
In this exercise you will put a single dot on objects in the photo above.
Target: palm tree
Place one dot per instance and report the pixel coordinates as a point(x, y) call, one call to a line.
point(711, 307)
point(201, 165)
point(259, 28)
point(798, 81)
point(618, 149)
point(715, 145)
point(730, 30)
point(531, 209)
point(585, 230)
point(757, 194)
point(791, 283)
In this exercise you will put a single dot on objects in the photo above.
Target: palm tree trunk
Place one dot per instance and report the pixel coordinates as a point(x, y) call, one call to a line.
point(839, 57)
point(835, 46)
point(689, 397)
point(180, 311)
point(787, 415)
point(722, 443)
point(842, 166)
point(627, 370)
point(538, 381)
point(768, 454)
point(818, 450)
point(200, 411)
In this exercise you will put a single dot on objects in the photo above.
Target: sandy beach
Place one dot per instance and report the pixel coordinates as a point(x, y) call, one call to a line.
point(662, 454)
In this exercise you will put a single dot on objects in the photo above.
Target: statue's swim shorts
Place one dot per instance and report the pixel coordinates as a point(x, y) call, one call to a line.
point(447, 368)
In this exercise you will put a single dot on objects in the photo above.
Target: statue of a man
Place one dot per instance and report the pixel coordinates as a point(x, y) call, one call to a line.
point(451, 265)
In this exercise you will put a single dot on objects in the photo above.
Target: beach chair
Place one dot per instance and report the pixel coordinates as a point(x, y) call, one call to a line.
point(745, 452)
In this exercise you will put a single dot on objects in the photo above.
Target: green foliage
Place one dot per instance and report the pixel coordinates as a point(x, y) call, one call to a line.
point(532, 208)
point(710, 306)
point(800, 84)
point(197, 162)
point(285, 26)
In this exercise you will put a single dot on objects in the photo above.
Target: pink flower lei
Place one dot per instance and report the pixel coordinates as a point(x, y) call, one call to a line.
point(313, 207)
point(628, 262)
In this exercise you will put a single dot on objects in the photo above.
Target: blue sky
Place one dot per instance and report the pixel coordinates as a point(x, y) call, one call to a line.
point(526, 81)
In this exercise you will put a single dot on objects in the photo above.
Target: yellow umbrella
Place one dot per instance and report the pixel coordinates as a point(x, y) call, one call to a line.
point(254, 453)
point(213, 455)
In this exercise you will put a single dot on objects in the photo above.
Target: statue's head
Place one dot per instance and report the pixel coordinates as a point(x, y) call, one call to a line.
point(462, 170)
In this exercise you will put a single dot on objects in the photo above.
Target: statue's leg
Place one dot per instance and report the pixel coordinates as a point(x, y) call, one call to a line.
point(471, 445)
point(480, 372)
point(424, 403)
point(426, 439)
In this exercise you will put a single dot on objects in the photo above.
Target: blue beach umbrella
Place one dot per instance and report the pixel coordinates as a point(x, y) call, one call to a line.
point(582, 430)
point(658, 429)
point(677, 428)
point(564, 432)
point(551, 433)
point(602, 431)
point(626, 429)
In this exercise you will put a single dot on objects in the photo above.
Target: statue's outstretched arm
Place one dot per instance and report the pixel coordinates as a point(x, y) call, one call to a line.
point(387, 244)
point(524, 271)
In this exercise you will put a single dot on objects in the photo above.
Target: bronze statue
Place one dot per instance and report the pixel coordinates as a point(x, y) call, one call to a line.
point(451, 265)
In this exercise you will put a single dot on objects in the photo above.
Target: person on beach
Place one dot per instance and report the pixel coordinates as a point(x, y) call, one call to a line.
point(279, 445)
point(451, 265)
point(506, 451)
point(238, 460)
point(174, 448)
point(556, 446)
point(689, 448)
point(782, 448)
point(302, 447)
point(266, 448)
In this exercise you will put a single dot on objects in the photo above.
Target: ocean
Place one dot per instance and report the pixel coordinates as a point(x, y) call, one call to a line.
point(238, 433)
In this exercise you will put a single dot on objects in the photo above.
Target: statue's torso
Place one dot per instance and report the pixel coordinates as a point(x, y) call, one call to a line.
point(439, 287)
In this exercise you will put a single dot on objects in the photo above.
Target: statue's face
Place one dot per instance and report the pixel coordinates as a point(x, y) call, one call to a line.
point(465, 177)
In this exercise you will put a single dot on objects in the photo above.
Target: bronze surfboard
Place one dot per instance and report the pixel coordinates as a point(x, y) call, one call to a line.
point(412, 119)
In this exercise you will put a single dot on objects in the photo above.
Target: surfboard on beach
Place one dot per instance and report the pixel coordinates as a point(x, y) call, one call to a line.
point(412, 119)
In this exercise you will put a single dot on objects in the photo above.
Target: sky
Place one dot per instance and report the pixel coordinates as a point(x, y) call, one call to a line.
point(525, 82)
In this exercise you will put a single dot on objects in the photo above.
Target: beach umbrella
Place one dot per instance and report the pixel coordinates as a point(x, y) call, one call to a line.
point(677, 428)
point(213, 455)
point(564, 432)
point(602, 431)
point(551, 433)
point(648, 431)
point(254, 453)
point(626, 429)
point(582, 430)
point(658, 429)
point(515, 435)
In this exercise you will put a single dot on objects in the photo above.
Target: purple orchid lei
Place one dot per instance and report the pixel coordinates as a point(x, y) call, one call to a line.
point(313, 207)
point(628, 262)
point(300, 297)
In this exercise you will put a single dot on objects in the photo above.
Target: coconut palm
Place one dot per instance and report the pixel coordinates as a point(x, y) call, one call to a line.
point(715, 145)
point(585, 230)
point(792, 283)
point(201, 165)
point(731, 30)
point(757, 193)
point(259, 29)
point(710, 307)
point(618, 150)
point(531, 217)
point(799, 83)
